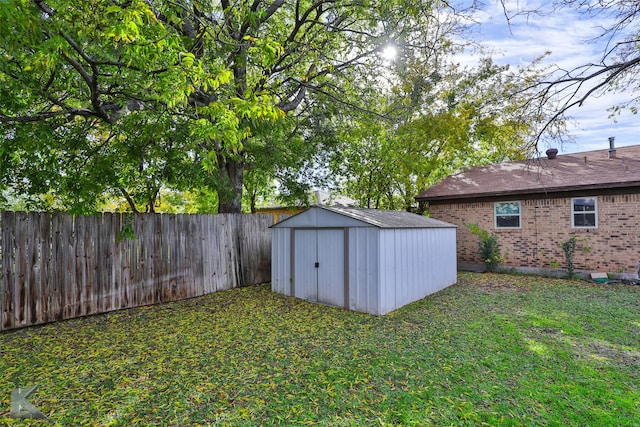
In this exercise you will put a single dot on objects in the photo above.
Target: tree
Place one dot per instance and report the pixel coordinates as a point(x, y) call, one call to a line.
point(95, 100)
point(438, 123)
point(216, 70)
point(617, 70)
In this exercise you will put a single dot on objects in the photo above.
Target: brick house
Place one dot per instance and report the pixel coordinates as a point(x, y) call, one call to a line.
point(534, 206)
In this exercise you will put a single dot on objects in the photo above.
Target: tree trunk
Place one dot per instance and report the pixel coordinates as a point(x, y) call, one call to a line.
point(129, 200)
point(230, 186)
point(253, 196)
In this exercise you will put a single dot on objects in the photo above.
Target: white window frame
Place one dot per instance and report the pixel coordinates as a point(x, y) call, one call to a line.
point(574, 213)
point(495, 215)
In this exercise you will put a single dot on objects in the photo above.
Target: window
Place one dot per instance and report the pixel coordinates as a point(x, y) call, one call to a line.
point(584, 212)
point(507, 214)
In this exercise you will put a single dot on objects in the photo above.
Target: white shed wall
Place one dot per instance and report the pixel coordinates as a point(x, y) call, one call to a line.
point(281, 260)
point(325, 246)
point(415, 263)
point(364, 269)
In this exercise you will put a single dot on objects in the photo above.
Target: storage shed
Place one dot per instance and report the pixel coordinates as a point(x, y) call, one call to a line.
point(364, 260)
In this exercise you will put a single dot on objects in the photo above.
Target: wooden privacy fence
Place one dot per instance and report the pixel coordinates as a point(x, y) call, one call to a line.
point(57, 266)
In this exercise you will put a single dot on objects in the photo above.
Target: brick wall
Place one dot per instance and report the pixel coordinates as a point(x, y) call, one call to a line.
point(612, 247)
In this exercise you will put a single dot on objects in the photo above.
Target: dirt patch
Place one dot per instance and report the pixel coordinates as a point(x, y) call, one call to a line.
point(605, 352)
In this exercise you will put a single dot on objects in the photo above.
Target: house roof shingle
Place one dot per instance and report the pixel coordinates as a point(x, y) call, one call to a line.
point(568, 172)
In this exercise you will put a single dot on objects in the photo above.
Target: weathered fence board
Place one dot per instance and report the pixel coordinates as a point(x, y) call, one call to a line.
point(57, 266)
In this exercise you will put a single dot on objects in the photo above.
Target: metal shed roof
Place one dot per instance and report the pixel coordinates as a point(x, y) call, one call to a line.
point(384, 219)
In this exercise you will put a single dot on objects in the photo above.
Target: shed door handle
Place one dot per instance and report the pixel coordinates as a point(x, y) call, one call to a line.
point(317, 264)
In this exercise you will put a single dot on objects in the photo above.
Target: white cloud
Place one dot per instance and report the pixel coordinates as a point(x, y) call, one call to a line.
point(572, 39)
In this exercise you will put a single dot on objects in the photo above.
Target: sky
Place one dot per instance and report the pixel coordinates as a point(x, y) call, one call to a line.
point(570, 38)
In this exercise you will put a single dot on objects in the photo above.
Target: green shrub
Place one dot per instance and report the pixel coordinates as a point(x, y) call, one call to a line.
point(489, 250)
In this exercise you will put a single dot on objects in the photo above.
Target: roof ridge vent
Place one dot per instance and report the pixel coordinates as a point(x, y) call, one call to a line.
point(552, 153)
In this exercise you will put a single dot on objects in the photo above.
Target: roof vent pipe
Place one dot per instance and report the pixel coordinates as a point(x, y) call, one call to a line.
point(612, 147)
point(552, 153)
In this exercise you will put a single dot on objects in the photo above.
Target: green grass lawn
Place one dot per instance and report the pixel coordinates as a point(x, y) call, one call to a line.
point(491, 350)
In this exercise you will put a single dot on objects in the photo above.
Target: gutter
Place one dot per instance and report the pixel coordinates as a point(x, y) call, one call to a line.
point(542, 192)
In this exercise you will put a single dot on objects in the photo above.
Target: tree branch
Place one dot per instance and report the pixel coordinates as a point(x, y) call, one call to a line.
point(129, 200)
point(46, 116)
point(612, 72)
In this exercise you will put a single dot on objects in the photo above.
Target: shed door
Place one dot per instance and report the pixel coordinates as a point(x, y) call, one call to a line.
point(319, 266)
point(305, 256)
